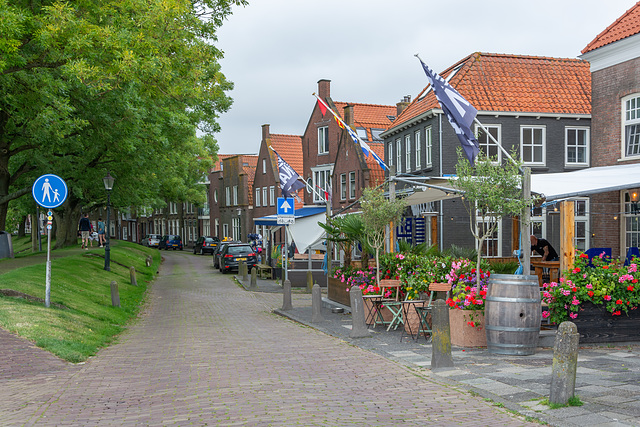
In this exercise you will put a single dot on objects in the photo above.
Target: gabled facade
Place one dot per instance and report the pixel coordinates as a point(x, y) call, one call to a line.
point(537, 106)
point(231, 197)
point(331, 161)
point(266, 186)
point(614, 56)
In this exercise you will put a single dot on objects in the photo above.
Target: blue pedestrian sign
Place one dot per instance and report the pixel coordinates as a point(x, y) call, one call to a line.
point(49, 191)
point(286, 206)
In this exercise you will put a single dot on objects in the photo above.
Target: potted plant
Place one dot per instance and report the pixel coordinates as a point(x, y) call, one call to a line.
point(600, 296)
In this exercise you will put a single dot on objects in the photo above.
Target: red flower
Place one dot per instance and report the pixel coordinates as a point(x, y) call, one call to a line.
point(576, 270)
point(630, 288)
point(584, 256)
point(616, 313)
point(634, 281)
point(590, 293)
point(574, 289)
point(606, 267)
point(619, 302)
point(468, 288)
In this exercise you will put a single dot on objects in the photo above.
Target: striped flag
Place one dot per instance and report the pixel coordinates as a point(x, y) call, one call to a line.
point(459, 111)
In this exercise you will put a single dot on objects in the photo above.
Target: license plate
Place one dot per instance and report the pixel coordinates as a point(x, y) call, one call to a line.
point(241, 259)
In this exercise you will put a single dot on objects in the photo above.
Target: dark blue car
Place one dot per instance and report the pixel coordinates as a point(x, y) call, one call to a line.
point(170, 241)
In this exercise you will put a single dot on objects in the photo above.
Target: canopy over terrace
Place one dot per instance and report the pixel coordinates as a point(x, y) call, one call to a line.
point(305, 232)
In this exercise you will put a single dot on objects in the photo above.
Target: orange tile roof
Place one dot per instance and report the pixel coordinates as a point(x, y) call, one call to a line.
point(217, 166)
point(290, 148)
point(513, 83)
point(625, 26)
point(368, 116)
point(376, 172)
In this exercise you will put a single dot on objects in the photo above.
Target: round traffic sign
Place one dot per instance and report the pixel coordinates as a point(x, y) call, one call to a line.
point(49, 191)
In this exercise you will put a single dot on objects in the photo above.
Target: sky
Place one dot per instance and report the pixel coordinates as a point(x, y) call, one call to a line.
point(275, 51)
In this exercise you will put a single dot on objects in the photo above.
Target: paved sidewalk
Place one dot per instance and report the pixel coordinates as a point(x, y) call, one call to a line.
point(608, 377)
point(207, 352)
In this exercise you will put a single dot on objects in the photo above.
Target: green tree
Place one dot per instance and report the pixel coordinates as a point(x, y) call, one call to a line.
point(88, 86)
point(491, 192)
point(377, 213)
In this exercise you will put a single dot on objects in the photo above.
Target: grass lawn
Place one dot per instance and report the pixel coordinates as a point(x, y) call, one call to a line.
point(81, 319)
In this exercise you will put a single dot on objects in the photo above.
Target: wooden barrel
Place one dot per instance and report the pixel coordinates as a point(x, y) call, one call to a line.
point(512, 314)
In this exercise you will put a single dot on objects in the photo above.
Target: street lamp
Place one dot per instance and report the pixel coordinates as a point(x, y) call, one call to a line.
point(108, 185)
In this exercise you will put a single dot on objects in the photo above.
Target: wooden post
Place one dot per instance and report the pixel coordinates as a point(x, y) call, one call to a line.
point(115, 296)
point(525, 237)
point(567, 231)
point(434, 230)
point(132, 275)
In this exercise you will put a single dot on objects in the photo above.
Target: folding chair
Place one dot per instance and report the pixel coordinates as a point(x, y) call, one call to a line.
point(423, 311)
point(385, 286)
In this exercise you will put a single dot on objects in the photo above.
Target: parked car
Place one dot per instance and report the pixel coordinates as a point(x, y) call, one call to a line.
point(205, 244)
point(231, 256)
point(151, 240)
point(170, 241)
point(216, 253)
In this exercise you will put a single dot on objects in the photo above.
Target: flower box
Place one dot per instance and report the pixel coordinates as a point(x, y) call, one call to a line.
point(337, 291)
point(463, 334)
point(597, 325)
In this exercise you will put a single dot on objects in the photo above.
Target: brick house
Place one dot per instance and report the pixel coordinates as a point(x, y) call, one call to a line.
point(266, 185)
point(331, 161)
point(614, 56)
point(231, 209)
point(538, 106)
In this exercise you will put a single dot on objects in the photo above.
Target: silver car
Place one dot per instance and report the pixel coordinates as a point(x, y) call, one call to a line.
point(151, 240)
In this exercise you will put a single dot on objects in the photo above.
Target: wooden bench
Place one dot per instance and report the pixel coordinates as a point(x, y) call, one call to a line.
point(264, 271)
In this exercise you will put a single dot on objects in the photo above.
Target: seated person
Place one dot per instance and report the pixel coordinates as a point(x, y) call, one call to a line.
point(544, 248)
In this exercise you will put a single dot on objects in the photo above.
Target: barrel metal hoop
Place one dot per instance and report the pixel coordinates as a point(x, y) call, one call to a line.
point(507, 299)
point(510, 329)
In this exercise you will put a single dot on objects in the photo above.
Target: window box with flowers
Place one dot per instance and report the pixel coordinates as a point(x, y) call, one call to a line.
point(601, 298)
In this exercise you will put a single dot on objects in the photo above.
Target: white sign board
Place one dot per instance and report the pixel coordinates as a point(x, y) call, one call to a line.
point(286, 220)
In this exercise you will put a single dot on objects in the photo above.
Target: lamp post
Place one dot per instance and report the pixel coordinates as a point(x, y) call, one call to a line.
point(108, 185)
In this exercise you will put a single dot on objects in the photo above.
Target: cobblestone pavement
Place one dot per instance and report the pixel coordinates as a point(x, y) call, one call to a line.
point(207, 352)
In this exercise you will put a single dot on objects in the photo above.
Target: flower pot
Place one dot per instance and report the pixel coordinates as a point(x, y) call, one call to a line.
point(595, 325)
point(463, 334)
point(337, 291)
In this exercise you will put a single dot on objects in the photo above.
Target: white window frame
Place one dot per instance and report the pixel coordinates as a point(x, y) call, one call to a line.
point(581, 219)
point(343, 186)
point(227, 194)
point(257, 200)
point(407, 152)
point(630, 118)
point(264, 166)
point(398, 155)
point(216, 226)
point(264, 193)
point(236, 228)
point(390, 154)
point(418, 144)
point(352, 185)
point(486, 143)
point(225, 230)
point(497, 239)
point(428, 146)
point(574, 145)
point(323, 140)
point(318, 174)
point(272, 196)
point(235, 195)
point(531, 146)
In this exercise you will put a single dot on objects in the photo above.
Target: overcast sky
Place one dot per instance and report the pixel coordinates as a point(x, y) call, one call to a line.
point(277, 50)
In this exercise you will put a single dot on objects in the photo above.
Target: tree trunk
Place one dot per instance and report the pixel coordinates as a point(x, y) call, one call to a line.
point(67, 224)
point(22, 225)
point(35, 230)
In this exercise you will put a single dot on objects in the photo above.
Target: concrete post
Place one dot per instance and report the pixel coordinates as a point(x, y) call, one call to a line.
point(286, 295)
point(309, 281)
point(316, 304)
point(358, 326)
point(243, 270)
point(148, 261)
point(565, 363)
point(254, 279)
point(132, 275)
point(115, 296)
point(440, 336)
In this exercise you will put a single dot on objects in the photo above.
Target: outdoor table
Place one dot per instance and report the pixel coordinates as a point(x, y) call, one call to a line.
point(406, 307)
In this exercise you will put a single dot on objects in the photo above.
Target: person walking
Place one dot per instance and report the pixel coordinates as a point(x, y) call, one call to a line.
point(85, 229)
point(101, 229)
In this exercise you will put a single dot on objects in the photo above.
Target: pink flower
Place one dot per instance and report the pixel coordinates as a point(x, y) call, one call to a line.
point(573, 315)
point(347, 289)
point(565, 292)
point(607, 297)
point(632, 268)
point(545, 314)
point(589, 286)
point(575, 301)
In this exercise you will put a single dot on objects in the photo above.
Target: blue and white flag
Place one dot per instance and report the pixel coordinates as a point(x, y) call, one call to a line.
point(289, 183)
point(459, 111)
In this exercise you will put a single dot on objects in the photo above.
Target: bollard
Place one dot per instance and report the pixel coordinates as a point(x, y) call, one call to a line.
point(242, 269)
point(148, 261)
point(254, 279)
point(565, 364)
point(309, 282)
point(316, 304)
point(115, 296)
point(440, 336)
point(286, 295)
point(132, 274)
point(358, 327)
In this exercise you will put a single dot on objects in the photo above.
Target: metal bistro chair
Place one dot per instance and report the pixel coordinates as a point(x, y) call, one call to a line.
point(395, 307)
point(423, 311)
point(378, 304)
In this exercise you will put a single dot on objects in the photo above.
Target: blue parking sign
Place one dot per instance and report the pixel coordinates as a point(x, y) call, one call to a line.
point(49, 191)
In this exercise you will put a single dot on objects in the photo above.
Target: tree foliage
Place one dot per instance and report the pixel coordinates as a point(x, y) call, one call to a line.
point(491, 191)
point(90, 86)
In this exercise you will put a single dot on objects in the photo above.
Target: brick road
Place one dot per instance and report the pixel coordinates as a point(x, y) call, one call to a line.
point(206, 352)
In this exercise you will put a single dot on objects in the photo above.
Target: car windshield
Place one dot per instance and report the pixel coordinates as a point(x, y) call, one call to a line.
point(173, 237)
point(209, 240)
point(239, 250)
point(154, 236)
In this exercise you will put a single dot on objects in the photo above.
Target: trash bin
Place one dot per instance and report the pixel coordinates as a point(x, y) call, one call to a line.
point(6, 249)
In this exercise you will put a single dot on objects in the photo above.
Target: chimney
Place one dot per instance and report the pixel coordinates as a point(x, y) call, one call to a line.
point(265, 132)
point(348, 115)
point(402, 105)
point(324, 89)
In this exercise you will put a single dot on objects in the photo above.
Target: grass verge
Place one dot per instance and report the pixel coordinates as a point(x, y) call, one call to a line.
point(81, 319)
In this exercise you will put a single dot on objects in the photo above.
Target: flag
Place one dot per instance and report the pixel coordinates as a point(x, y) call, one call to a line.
point(459, 111)
point(289, 183)
point(354, 136)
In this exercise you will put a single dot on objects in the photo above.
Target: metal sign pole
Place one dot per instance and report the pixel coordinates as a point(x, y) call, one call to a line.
point(47, 297)
point(285, 255)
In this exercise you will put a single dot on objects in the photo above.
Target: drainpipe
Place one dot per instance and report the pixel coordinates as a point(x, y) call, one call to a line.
point(441, 202)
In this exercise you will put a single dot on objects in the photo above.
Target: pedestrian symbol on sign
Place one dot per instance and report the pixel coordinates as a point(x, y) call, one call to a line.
point(49, 191)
